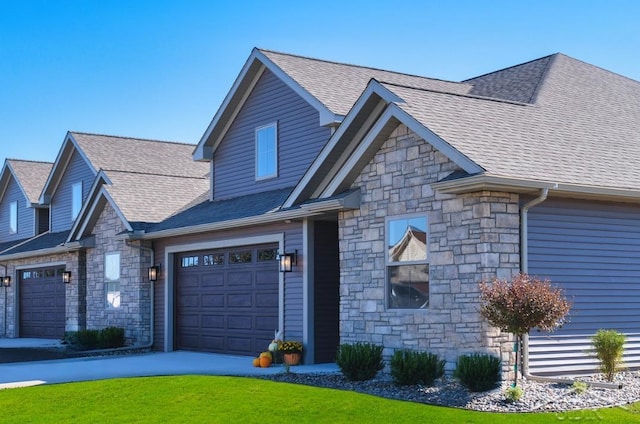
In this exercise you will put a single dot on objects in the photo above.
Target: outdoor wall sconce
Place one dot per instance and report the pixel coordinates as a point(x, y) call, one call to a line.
point(287, 261)
point(66, 277)
point(6, 281)
point(154, 271)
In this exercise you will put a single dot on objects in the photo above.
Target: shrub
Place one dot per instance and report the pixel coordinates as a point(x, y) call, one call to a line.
point(478, 373)
point(111, 337)
point(609, 347)
point(579, 387)
point(87, 339)
point(524, 303)
point(359, 361)
point(410, 368)
point(513, 394)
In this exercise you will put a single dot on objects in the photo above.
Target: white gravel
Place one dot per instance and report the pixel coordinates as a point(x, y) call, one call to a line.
point(537, 397)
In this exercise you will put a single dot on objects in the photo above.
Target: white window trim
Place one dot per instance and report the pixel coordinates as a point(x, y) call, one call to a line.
point(388, 263)
point(275, 173)
point(76, 211)
point(13, 217)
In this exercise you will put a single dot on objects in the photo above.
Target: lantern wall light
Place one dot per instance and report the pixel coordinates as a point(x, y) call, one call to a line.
point(287, 261)
point(66, 277)
point(6, 281)
point(154, 272)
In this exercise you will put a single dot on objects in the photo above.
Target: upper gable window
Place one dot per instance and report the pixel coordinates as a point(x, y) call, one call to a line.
point(267, 151)
point(13, 217)
point(76, 199)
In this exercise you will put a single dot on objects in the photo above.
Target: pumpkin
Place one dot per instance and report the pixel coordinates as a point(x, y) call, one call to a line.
point(256, 362)
point(265, 362)
point(267, 355)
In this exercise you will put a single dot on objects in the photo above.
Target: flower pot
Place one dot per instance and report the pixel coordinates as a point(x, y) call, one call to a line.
point(291, 358)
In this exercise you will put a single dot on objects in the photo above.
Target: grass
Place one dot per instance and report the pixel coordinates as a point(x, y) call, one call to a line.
point(205, 399)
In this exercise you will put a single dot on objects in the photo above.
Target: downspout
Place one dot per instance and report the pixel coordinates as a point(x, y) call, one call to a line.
point(524, 268)
point(4, 333)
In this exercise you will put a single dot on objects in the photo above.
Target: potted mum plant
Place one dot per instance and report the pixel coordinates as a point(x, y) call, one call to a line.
point(291, 352)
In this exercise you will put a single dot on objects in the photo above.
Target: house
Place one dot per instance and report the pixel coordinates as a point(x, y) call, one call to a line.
point(114, 184)
point(392, 196)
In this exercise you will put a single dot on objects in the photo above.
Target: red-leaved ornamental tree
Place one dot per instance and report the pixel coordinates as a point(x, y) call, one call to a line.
point(522, 304)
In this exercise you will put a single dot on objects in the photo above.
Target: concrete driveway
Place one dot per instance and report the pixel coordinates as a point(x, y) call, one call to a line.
point(22, 374)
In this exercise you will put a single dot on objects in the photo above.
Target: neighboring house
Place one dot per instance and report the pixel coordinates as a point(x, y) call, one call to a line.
point(395, 195)
point(112, 184)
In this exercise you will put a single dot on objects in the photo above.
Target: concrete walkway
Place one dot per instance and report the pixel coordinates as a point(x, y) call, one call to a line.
point(147, 364)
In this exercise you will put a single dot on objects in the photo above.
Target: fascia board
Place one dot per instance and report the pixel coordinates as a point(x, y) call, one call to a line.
point(60, 165)
point(374, 88)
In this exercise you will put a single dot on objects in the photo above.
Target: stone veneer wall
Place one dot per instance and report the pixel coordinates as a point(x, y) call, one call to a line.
point(472, 237)
point(9, 328)
point(134, 313)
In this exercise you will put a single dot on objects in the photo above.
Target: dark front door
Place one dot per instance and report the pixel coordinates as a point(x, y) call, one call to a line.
point(227, 300)
point(42, 303)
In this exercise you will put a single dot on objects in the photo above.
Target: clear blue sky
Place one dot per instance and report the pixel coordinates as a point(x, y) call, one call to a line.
point(160, 69)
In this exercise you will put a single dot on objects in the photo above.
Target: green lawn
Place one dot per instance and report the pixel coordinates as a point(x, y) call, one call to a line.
point(204, 399)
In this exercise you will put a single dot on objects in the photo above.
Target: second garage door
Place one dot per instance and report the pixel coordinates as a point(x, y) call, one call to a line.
point(227, 300)
point(42, 303)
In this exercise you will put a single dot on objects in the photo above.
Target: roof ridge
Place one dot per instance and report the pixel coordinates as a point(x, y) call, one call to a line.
point(30, 161)
point(598, 67)
point(182, 143)
point(469, 96)
point(359, 66)
point(204, 177)
point(511, 67)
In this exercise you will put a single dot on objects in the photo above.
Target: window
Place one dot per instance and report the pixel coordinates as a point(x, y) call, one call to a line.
point(13, 217)
point(76, 199)
point(213, 259)
point(112, 279)
point(407, 263)
point(189, 261)
point(267, 151)
point(240, 257)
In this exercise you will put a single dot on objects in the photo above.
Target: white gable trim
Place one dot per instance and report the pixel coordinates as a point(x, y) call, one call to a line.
point(206, 148)
point(374, 88)
point(393, 111)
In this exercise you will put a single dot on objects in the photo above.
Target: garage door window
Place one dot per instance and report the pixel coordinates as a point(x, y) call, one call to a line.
point(112, 279)
point(213, 259)
point(407, 262)
point(240, 257)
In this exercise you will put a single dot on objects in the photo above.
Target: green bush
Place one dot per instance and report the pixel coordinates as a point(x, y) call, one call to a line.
point(513, 394)
point(579, 387)
point(359, 361)
point(107, 338)
point(410, 367)
point(478, 373)
point(111, 337)
point(87, 339)
point(609, 347)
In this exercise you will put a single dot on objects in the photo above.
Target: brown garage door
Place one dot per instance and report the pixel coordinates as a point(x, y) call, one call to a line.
point(42, 300)
point(227, 300)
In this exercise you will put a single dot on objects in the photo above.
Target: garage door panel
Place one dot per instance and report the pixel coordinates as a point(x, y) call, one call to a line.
point(266, 300)
point(240, 278)
point(213, 300)
point(213, 321)
point(240, 300)
point(190, 320)
point(213, 280)
point(237, 302)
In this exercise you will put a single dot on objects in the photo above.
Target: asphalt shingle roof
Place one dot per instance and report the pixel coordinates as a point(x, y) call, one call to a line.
point(43, 241)
point(207, 212)
point(112, 153)
point(31, 176)
point(582, 129)
point(338, 85)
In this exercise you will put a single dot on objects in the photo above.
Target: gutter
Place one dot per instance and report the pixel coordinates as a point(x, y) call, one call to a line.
point(524, 268)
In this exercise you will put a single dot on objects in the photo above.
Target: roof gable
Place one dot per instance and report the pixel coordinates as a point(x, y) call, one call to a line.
point(29, 175)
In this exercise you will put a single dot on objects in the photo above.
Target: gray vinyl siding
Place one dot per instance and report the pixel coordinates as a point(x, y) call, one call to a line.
point(60, 210)
point(300, 138)
point(293, 307)
point(26, 225)
point(592, 251)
